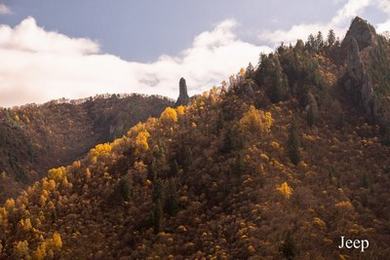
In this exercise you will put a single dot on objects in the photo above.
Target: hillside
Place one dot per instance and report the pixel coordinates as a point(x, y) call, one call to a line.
point(35, 138)
point(279, 163)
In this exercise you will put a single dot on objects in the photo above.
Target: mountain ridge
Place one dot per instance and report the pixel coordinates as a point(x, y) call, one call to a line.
point(283, 155)
point(35, 138)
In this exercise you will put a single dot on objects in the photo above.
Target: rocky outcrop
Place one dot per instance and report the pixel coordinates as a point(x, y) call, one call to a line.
point(363, 53)
point(183, 98)
point(360, 39)
point(363, 32)
point(358, 83)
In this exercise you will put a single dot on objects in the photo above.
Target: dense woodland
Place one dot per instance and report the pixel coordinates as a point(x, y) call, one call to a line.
point(35, 138)
point(277, 163)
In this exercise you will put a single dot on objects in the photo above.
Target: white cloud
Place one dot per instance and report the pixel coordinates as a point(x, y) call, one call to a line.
point(300, 31)
point(4, 9)
point(384, 27)
point(27, 36)
point(348, 11)
point(339, 23)
point(384, 5)
point(45, 65)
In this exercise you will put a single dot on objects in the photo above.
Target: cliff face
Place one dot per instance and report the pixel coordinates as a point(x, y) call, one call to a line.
point(363, 32)
point(367, 58)
point(183, 98)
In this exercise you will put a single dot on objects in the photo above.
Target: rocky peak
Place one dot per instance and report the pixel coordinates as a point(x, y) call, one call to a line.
point(183, 98)
point(361, 38)
point(362, 31)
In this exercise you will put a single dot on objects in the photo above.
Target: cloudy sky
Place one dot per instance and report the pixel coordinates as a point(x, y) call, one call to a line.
point(51, 49)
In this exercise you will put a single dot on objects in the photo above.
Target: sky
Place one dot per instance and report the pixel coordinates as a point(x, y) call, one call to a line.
point(51, 49)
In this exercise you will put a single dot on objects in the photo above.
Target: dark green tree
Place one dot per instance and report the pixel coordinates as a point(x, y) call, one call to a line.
point(157, 216)
point(173, 169)
point(171, 205)
point(124, 189)
point(293, 144)
point(121, 191)
point(331, 38)
point(157, 193)
point(158, 204)
point(319, 42)
point(311, 43)
point(312, 112)
point(288, 248)
point(271, 75)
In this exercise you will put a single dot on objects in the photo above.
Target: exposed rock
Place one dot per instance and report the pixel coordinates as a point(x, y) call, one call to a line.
point(363, 52)
point(355, 67)
point(183, 98)
point(357, 81)
point(360, 38)
point(363, 32)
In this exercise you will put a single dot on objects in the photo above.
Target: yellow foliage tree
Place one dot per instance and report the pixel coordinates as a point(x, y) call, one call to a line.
point(103, 149)
point(87, 174)
point(169, 116)
point(256, 121)
point(41, 252)
point(9, 204)
point(25, 224)
point(49, 185)
point(76, 164)
point(285, 190)
point(21, 249)
point(242, 72)
point(3, 216)
point(141, 141)
point(181, 110)
point(57, 240)
point(57, 174)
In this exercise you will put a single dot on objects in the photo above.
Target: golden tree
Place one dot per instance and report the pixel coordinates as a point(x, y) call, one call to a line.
point(169, 116)
point(21, 249)
point(141, 141)
point(57, 174)
point(256, 121)
point(285, 190)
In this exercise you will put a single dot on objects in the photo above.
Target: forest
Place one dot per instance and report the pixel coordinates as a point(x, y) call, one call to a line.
point(278, 162)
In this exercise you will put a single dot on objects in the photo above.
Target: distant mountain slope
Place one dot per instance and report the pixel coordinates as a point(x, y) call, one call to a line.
point(36, 138)
point(277, 164)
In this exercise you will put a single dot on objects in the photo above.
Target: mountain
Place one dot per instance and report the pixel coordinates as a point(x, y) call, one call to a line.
point(36, 138)
point(280, 163)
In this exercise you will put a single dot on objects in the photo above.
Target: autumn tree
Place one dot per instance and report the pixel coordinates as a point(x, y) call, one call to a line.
point(285, 190)
point(21, 249)
point(169, 116)
point(141, 141)
point(256, 122)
